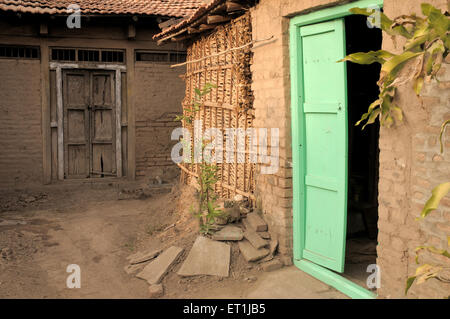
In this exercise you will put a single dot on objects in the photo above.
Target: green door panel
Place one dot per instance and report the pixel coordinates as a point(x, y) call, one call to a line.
point(324, 134)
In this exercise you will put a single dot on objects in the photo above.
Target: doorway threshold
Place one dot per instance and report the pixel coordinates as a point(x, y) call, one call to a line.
point(335, 280)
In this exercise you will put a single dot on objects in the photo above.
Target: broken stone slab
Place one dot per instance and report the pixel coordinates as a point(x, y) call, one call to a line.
point(229, 233)
point(255, 239)
point(272, 249)
point(156, 269)
point(272, 265)
point(145, 257)
point(156, 291)
point(207, 257)
point(250, 253)
point(131, 269)
point(256, 222)
point(264, 235)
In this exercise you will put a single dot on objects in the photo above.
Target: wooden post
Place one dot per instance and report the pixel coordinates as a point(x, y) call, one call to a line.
point(118, 97)
point(131, 115)
point(45, 120)
point(60, 116)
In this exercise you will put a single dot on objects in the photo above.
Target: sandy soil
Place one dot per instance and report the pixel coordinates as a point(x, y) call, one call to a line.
point(42, 232)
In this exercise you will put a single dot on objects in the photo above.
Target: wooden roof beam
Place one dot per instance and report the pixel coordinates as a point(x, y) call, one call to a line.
point(233, 6)
point(212, 19)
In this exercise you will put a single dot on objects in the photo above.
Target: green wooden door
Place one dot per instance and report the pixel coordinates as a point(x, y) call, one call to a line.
point(324, 137)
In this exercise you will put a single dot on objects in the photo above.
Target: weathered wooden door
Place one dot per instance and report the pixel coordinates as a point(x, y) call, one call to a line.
point(324, 149)
point(89, 124)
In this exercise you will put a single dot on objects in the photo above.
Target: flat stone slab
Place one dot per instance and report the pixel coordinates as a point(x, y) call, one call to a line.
point(250, 253)
point(255, 239)
point(156, 269)
point(256, 222)
point(207, 257)
point(229, 233)
point(145, 257)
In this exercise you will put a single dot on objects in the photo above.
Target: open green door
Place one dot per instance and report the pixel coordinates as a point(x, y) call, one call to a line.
point(323, 143)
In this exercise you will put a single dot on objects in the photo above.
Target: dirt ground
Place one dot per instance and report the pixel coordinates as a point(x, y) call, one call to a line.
point(44, 231)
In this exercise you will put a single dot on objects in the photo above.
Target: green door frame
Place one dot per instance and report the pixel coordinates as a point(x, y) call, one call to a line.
point(298, 154)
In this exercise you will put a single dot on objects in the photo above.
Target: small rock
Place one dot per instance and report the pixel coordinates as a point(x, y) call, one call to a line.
point(251, 278)
point(29, 199)
point(233, 214)
point(272, 265)
point(156, 291)
point(286, 260)
point(244, 210)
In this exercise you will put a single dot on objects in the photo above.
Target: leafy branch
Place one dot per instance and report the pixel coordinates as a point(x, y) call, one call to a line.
point(208, 209)
point(427, 42)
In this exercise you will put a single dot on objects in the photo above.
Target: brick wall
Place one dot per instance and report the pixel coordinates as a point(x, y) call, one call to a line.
point(271, 88)
point(410, 166)
point(20, 123)
point(410, 163)
point(158, 95)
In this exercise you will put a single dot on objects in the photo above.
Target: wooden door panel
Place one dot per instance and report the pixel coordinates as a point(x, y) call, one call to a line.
point(103, 160)
point(76, 126)
point(76, 123)
point(102, 89)
point(76, 161)
point(103, 124)
point(325, 143)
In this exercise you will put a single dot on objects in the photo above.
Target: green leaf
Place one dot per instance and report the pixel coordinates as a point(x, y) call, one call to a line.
point(409, 283)
point(373, 116)
point(437, 194)
point(443, 126)
point(418, 84)
point(438, 21)
point(392, 66)
point(368, 57)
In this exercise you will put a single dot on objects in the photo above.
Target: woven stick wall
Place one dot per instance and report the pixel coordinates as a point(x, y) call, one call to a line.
point(229, 105)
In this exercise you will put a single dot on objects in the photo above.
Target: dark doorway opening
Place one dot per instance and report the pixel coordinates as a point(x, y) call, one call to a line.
point(362, 204)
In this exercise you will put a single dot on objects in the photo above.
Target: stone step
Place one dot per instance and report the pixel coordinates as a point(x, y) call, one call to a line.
point(255, 239)
point(256, 222)
point(250, 253)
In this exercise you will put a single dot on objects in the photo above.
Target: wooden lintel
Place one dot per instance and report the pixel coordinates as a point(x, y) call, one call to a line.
point(211, 19)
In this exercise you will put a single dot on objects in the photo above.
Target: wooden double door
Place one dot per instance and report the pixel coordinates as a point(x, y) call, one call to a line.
point(89, 124)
